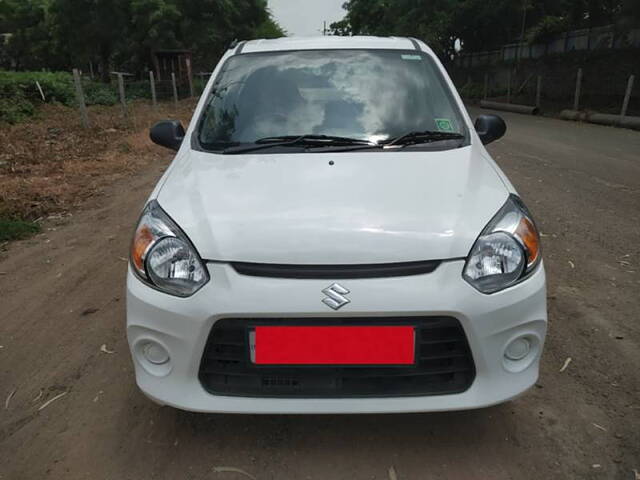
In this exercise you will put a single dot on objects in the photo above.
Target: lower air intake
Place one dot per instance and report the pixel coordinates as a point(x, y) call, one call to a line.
point(444, 364)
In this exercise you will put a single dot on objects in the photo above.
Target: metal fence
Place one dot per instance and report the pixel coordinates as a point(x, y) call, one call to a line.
point(127, 87)
point(586, 88)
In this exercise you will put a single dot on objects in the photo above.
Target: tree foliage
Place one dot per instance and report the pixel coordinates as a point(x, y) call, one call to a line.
point(28, 22)
point(59, 34)
point(481, 24)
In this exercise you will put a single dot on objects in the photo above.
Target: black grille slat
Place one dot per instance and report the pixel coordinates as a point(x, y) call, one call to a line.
point(442, 355)
point(223, 356)
point(443, 341)
point(436, 371)
point(351, 372)
point(239, 343)
point(335, 272)
point(444, 364)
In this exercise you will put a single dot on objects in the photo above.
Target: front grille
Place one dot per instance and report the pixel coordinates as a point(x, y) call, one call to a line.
point(373, 270)
point(444, 364)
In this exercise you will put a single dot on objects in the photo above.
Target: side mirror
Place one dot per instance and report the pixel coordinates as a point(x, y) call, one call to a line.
point(490, 128)
point(167, 133)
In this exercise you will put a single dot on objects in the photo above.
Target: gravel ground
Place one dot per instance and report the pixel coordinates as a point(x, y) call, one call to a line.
point(70, 409)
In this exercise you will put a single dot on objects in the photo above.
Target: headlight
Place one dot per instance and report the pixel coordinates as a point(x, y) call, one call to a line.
point(507, 250)
point(163, 257)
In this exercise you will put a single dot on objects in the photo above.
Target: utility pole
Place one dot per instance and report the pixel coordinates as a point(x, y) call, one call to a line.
point(524, 25)
point(324, 30)
point(524, 20)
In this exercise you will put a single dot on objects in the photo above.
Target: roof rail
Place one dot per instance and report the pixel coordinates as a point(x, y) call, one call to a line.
point(237, 45)
point(240, 47)
point(415, 43)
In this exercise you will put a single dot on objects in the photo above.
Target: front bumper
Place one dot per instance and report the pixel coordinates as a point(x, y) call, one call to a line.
point(490, 322)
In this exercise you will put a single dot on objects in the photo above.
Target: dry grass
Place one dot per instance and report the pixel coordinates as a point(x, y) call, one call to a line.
point(51, 164)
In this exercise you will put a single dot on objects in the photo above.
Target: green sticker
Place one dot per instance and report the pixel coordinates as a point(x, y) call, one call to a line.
point(444, 125)
point(411, 57)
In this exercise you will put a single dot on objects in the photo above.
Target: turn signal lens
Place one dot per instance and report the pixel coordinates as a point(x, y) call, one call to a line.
point(528, 235)
point(142, 240)
point(506, 251)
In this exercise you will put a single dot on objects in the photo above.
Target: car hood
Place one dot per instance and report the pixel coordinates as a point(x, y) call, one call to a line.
point(368, 207)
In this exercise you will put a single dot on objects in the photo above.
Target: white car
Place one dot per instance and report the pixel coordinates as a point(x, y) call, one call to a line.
point(333, 237)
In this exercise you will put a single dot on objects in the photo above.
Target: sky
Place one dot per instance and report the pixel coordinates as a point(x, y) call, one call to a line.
point(305, 17)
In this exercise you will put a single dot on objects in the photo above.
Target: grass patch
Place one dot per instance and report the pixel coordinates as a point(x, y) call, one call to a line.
point(19, 94)
point(16, 229)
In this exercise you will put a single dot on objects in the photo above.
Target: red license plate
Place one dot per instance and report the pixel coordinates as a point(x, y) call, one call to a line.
point(334, 345)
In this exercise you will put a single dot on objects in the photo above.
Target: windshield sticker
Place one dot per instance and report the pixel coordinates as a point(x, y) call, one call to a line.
point(411, 57)
point(443, 125)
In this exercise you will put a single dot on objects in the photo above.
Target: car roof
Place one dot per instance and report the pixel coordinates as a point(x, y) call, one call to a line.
point(332, 42)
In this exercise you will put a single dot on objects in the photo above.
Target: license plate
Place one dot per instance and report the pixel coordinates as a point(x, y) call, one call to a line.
point(332, 345)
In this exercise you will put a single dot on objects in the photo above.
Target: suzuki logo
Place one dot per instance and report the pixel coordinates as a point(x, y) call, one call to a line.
point(335, 296)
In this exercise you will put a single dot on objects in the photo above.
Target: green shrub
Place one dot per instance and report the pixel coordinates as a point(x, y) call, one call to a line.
point(547, 28)
point(472, 91)
point(15, 109)
point(56, 86)
point(19, 94)
point(96, 93)
point(16, 229)
point(135, 90)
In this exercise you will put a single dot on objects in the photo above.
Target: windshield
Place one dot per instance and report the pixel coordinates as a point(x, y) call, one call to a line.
point(372, 95)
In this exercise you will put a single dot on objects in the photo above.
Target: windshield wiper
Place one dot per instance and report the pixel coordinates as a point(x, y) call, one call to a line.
point(427, 136)
point(295, 140)
point(317, 141)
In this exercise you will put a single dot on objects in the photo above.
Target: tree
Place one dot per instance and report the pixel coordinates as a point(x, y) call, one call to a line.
point(91, 29)
point(154, 26)
point(483, 25)
point(209, 26)
point(68, 33)
point(28, 25)
point(429, 21)
point(269, 29)
point(480, 24)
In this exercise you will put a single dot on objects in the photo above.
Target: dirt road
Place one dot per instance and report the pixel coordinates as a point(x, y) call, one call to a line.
point(62, 299)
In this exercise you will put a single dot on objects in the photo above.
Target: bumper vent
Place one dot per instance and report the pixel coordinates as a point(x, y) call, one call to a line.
point(444, 364)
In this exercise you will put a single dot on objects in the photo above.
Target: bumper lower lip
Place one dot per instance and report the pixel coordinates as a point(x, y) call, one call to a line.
point(490, 322)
